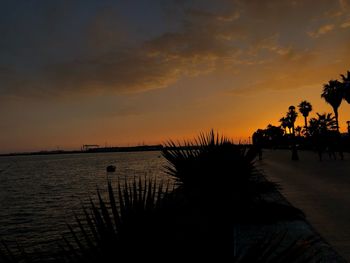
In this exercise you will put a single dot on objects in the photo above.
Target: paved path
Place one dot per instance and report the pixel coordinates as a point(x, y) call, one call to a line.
point(320, 189)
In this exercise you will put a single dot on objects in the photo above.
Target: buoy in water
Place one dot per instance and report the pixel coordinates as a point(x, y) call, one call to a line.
point(110, 168)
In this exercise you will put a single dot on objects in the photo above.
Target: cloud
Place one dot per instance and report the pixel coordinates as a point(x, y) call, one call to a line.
point(128, 71)
point(344, 4)
point(153, 64)
point(270, 44)
point(230, 17)
point(227, 16)
point(300, 69)
point(94, 57)
point(346, 24)
point(59, 50)
point(322, 30)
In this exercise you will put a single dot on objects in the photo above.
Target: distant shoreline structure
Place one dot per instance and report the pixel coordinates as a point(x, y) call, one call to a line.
point(142, 148)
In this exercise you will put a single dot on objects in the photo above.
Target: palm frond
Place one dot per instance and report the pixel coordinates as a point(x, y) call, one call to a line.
point(13, 254)
point(213, 164)
point(128, 223)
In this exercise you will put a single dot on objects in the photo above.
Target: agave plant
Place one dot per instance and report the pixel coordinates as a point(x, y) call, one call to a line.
point(213, 171)
point(125, 230)
point(8, 255)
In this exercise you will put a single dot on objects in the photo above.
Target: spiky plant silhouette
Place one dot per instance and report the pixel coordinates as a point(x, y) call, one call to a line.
point(213, 171)
point(150, 224)
point(10, 255)
point(214, 164)
point(127, 227)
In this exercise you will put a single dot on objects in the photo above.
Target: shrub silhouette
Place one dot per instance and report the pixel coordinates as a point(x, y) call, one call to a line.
point(213, 168)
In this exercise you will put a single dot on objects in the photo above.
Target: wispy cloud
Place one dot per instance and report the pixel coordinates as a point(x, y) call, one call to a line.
point(346, 24)
point(57, 52)
point(344, 4)
point(322, 30)
point(106, 63)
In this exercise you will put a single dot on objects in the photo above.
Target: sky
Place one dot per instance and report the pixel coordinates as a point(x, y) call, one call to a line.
point(122, 72)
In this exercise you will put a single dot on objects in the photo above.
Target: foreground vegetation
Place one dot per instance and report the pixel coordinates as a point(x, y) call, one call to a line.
point(217, 188)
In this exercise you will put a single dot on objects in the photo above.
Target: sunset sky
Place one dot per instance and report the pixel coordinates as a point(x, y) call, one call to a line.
point(130, 72)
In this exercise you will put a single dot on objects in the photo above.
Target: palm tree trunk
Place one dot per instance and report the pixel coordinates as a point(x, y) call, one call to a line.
point(336, 118)
point(305, 118)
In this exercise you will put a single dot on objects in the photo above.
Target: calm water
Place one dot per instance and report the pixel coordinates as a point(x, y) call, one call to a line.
point(38, 194)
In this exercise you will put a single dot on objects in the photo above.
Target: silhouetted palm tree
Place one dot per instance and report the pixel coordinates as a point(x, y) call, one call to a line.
point(284, 124)
point(333, 93)
point(323, 132)
point(323, 124)
point(305, 108)
point(292, 116)
point(273, 131)
point(346, 83)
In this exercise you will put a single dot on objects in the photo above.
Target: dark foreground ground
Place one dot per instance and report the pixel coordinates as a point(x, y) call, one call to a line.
point(320, 189)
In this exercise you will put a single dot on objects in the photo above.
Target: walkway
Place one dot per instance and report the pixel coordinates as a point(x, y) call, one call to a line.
point(320, 189)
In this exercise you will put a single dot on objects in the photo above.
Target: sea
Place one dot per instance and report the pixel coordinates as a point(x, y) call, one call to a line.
point(39, 194)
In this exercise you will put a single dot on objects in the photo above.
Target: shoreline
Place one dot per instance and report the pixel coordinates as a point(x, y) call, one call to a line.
point(144, 148)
